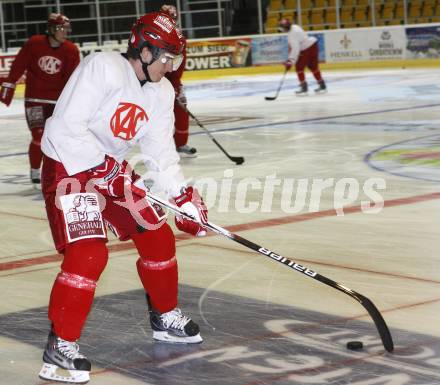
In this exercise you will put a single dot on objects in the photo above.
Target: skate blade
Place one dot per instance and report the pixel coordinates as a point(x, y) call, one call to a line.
point(170, 338)
point(49, 372)
point(184, 155)
point(321, 92)
point(302, 94)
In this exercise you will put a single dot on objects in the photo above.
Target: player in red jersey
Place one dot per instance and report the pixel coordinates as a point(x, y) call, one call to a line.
point(48, 61)
point(181, 117)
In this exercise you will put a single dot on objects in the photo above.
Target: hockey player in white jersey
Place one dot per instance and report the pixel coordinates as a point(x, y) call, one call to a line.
point(303, 52)
point(110, 103)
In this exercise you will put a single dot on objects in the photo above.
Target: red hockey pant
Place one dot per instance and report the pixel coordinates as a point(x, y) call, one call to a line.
point(85, 259)
point(308, 58)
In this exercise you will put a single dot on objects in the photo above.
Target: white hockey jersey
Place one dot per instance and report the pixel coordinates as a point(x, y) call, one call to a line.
point(103, 109)
point(298, 41)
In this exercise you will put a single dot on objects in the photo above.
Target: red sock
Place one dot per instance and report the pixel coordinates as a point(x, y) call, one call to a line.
point(70, 303)
point(157, 267)
point(181, 126)
point(35, 154)
point(317, 75)
point(74, 288)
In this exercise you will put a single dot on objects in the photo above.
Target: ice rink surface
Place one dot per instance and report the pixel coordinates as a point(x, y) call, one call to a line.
point(373, 138)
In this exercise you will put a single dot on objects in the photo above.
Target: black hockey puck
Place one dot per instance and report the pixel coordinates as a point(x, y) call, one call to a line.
point(355, 345)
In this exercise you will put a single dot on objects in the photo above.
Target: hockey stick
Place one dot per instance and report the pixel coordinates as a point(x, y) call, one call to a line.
point(372, 310)
point(279, 87)
point(236, 159)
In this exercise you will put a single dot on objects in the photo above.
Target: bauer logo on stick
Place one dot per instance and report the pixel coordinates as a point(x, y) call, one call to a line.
point(287, 262)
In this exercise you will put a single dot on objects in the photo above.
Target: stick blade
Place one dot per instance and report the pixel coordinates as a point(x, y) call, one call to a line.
point(270, 97)
point(238, 160)
point(381, 326)
point(369, 306)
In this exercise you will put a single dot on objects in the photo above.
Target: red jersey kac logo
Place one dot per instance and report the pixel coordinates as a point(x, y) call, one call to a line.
point(49, 64)
point(124, 122)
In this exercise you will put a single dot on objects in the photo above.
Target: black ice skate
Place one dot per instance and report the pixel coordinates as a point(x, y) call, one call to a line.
point(173, 326)
point(187, 151)
point(322, 88)
point(62, 354)
point(35, 178)
point(303, 90)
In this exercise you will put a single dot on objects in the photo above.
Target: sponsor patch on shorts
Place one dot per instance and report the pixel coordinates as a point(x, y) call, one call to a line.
point(35, 116)
point(82, 216)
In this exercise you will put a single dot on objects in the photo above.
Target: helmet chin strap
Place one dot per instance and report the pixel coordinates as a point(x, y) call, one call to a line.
point(154, 56)
point(145, 70)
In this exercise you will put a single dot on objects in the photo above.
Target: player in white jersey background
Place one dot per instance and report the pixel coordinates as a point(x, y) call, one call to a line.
point(110, 103)
point(303, 52)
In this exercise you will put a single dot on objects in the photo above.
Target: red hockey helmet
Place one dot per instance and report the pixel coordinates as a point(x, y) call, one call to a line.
point(284, 25)
point(158, 30)
point(170, 10)
point(58, 19)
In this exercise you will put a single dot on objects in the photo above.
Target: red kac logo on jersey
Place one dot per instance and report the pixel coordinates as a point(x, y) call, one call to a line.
point(124, 122)
point(49, 64)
